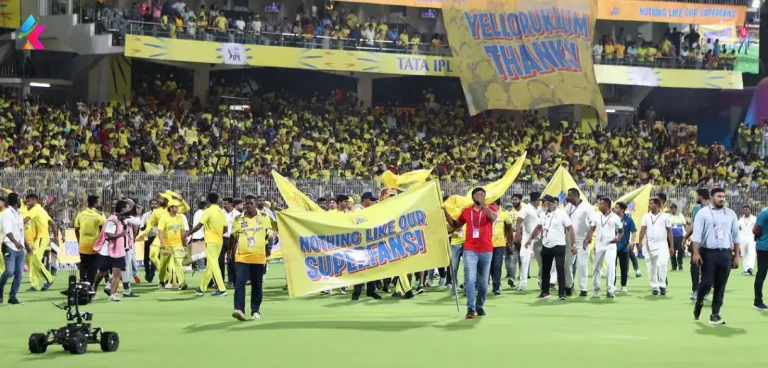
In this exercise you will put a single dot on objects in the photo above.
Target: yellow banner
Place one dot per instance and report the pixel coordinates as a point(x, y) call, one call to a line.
point(10, 14)
point(671, 12)
point(405, 181)
point(727, 33)
point(524, 54)
point(400, 64)
point(493, 191)
point(559, 184)
point(401, 235)
point(294, 198)
point(436, 4)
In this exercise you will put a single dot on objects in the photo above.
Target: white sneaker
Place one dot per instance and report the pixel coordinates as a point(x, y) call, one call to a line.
point(623, 289)
point(169, 286)
point(343, 292)
point(256, 315)
point(596, 293)
point(521, 288)
point(114, 298)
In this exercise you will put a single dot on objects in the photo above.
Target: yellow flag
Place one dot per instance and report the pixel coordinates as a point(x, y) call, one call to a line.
point(151, 168)
point(637, 202)
point(524, 54)
point(559, 184)
point(401, 235)
point(405, 181)
point(493, 191)
point(294, 198)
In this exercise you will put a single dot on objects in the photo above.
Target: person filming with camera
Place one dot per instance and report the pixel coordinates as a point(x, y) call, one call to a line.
point(111, 247)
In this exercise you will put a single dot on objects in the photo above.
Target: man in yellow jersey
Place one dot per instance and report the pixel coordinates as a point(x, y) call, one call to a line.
point(251, 234)
point(512, 257)
point(170, 232)
point(157, 214)
point(215, 224)
point(38, 236)
point(88, 224)
point(457, 250)
point(502, 233)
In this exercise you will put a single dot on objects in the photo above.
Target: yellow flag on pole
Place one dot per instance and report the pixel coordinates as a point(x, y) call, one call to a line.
point(637, 202)
point(294, 198)
point(559, 184)
point(405, 181)
point(493, 191)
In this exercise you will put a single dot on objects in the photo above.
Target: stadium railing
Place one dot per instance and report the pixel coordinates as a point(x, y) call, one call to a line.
point(67, 192)
point(285, 39)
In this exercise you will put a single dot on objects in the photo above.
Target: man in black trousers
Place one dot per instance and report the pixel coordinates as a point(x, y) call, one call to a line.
point(716, 249)
point(367, 200)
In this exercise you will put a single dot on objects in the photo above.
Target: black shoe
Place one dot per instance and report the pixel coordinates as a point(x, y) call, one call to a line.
point(663, 291)
point(655, 292)
point(396, 295)
point(568, 291)
point(481, 312)
point(14, 301)
point(496, 292)
point(385, 290)
point(130, 295)
point(583, 293)
point(563, 297)
point(544, 296)
point(355, 297)
point(611, 295)
point(374, 296)
point(420, 290)
point(470, 313)
point(760, 306)
point(680, 268)
point(511, 283)
point(697, 310)
point(551, 286)
point(378, 285)
point(408, 295)
point(716, 320)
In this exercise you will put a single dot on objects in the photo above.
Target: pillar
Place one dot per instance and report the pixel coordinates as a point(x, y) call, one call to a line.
point(365, 89)
point(99, 80)
point(201, 83)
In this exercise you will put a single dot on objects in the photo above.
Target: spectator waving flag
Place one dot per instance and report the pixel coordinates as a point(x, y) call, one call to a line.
point(294, 198)
point(493, 191)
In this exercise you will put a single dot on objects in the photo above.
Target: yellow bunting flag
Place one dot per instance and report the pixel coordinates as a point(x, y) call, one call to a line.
point(493, 191)
point(401, 235)
point(524, 54)
point(405, 181)
point(294, 198)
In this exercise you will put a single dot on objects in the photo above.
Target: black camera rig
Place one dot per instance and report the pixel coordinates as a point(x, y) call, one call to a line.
point(78, 333)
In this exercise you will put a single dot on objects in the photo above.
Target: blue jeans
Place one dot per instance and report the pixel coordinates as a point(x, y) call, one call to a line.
point(14, 267)
point(456, 252)
point(477, 266)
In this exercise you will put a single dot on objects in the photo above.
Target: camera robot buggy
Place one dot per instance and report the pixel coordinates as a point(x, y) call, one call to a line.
point(78, 333)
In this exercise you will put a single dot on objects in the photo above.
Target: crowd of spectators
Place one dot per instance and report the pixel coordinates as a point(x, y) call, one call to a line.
point(675, 49)
point(331, 136)
point(332, 27)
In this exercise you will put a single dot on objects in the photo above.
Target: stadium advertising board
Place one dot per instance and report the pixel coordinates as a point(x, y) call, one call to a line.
point(152, 48)
point(671, 12)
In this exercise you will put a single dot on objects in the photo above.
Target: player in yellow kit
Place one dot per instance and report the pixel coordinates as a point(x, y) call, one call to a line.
point(157, 214)
point(88, 224)
point(251, 233)
point(215, 223)
point(37, 234)
point(170, 234)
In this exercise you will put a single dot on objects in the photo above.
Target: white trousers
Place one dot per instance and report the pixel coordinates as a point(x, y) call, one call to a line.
point(607, 254)
point(749, 252)
point(579, 261)
point(130, 260)
point(657, 260)
point(525, 260)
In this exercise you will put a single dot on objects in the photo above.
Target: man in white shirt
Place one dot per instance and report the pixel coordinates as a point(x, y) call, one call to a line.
point(527, 220)
point(199, 234)
point(552, 226)
point(369, 36)
point(609, 229)
point(256, 25)
point(656, 235)
point(746, 223)
point(231, 213)
point(580, 212)
point(14, 248)
point(149, 267)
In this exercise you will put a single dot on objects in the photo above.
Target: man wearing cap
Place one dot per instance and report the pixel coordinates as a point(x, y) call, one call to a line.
point(367, 200)
point(678, 233)
point(553, 226)
point(580, 212)
point(478, 249)
point(88, 224)
point(171, 232)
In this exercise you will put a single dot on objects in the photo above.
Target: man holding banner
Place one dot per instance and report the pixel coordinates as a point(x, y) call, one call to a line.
point(478, 249)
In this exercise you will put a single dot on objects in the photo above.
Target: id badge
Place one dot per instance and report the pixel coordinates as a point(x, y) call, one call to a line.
point(251, 242)
point(719, 233)
point(475, 233)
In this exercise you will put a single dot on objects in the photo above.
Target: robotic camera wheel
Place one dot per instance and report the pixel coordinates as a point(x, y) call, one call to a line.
point(78, 332)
